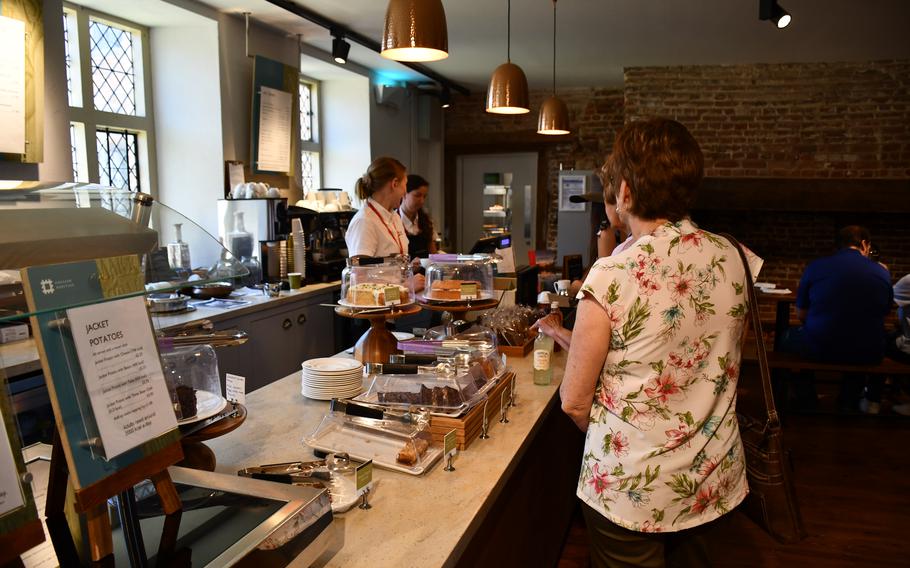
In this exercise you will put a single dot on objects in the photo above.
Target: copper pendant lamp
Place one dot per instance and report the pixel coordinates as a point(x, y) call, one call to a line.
point(554, 116)
point(508, 91)
point(415, 30)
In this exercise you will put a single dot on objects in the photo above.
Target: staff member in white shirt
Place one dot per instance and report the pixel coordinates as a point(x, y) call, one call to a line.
point(376, 230)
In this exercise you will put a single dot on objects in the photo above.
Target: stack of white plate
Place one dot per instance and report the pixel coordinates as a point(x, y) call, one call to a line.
point(331, 377)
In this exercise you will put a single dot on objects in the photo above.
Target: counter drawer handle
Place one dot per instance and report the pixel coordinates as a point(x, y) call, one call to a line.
point(286, 324)
point(301, 319)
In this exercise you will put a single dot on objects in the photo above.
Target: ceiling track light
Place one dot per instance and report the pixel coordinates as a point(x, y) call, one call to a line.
point(340, 49)
point(553, 119)
point(771, 10)
point(508, 90)
point(415, 30)
point(445, 97)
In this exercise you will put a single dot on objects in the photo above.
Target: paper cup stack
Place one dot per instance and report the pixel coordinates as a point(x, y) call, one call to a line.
point(331, 377)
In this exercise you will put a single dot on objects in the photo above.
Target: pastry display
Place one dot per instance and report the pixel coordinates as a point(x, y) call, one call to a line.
point(454, 290)
point(380, 283)
point(426, 396)
point(459, 278)
point(376, 294)
point(412, 451)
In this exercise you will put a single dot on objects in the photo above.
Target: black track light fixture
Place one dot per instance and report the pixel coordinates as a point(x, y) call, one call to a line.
point(771, 10)
point(340, 49)
point(445, 97)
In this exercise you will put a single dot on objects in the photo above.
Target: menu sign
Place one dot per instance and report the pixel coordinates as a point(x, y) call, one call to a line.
point(10, 491)
point(450, 443)
point(119, 360)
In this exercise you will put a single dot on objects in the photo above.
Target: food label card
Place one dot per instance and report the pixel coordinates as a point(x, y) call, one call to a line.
point(235, 388)
point(119, 360)
point(392, 295)
point(364, 477)
point(468, 290)
point(450, 443)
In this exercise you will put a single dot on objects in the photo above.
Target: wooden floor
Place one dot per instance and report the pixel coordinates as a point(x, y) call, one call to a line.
point(853, 484)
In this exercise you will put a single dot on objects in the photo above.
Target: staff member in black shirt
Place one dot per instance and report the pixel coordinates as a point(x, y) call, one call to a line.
point(416, 221)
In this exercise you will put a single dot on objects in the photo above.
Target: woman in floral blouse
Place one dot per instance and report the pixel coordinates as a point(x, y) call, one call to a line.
point(653, 364)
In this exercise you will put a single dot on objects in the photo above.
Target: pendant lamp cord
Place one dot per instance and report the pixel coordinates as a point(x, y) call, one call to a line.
point(554, 47)
point(509, 31)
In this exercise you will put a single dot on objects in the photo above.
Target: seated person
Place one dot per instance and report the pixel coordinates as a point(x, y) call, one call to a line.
point(899, 345)
point(842, 302)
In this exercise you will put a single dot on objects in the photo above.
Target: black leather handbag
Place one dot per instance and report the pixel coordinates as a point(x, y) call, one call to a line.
point(772, 498)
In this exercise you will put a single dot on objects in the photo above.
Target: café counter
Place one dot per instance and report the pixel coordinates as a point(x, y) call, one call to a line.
point(508, 502)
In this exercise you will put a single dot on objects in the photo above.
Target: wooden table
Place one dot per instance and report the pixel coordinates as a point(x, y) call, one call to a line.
point(782, 312)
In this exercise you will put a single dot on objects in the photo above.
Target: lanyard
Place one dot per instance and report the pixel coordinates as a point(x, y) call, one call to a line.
point(384, 224)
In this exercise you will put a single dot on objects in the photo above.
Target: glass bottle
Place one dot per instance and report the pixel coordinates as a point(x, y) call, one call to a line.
point(178, 252)
point(239, 241)
point(543, 354)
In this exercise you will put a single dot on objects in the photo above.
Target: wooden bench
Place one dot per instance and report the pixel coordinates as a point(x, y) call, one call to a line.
point(781, 360)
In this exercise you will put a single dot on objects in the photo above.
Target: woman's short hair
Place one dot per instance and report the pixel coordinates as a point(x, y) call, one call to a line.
point(381, 171)
point(415, 182)
point(605, 173)
point(662, 165)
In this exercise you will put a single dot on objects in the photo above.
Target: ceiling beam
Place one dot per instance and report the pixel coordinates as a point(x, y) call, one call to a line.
point(336, 28)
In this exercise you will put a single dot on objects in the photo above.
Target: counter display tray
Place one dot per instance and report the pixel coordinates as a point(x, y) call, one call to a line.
point(469, 425)
point(366, 443)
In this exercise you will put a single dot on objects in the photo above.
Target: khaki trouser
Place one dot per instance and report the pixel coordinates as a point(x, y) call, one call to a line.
point(613, 546)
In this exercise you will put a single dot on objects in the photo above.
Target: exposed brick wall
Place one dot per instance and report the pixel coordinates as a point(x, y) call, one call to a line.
point(813, 120)
point(818, 120)
point(594, 114)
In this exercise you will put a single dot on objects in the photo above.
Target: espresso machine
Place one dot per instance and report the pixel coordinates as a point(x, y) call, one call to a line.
point(327, 251)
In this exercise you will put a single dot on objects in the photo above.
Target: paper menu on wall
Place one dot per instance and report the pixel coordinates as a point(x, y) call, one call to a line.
point(119, 360)
point(12, 86)
point(274, 130)
point(11, 497)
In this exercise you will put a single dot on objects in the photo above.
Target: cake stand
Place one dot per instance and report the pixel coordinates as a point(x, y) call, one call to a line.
point(377, 343)
point(449, 309)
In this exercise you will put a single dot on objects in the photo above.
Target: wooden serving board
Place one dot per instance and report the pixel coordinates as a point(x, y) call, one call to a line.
point(468, 426)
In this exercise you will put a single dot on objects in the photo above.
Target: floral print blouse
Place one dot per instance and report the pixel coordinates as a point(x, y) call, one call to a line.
point(662, 451)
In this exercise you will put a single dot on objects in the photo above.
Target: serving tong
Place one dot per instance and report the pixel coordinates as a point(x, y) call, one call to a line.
point(301, 472)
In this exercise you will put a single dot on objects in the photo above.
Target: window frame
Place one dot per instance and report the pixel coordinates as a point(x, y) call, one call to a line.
point(89, 119)
point(314, 145)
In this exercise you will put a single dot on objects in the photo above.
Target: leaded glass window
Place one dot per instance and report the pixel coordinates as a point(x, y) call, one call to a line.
point(306, 112)
point(113, 71)
point(118, 158)
point(73, 146)
point(309, 171)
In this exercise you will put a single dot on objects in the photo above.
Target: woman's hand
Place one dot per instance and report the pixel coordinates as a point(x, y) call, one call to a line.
point(420, 282)
point(549, 325)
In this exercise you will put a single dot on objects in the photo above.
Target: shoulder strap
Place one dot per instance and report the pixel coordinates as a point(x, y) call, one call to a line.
point(773, 419)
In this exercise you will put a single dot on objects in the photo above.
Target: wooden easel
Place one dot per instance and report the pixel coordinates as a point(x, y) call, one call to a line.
point(92, 500)
point(18, 542)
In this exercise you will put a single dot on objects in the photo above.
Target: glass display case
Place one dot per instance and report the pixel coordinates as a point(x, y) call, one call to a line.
point(497, 210)
point(459, 278)
point(192, 378)
point(386, 283)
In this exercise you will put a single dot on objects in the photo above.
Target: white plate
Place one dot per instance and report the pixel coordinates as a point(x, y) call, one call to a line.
point(402, 335)
point(483, 295)
point(332, 365)
point(323, 395)
point(208, 404)
point(347, 304)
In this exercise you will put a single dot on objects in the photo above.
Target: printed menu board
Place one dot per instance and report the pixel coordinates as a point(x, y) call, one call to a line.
point(122, 373)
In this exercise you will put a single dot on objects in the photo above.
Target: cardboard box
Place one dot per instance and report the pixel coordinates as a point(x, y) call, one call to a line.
point(13, 332)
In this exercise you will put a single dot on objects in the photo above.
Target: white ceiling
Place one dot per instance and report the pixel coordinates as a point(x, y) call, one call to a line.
point(597, 38)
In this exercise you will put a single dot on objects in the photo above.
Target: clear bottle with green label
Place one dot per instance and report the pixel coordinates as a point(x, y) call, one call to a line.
point(543, 355)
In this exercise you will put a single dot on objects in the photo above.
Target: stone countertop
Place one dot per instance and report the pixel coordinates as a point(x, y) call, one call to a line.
point(415, 521)
point(21, 357)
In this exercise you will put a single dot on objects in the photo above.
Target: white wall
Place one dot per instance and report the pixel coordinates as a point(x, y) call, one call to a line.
point(345, 106)
point(187, 98)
